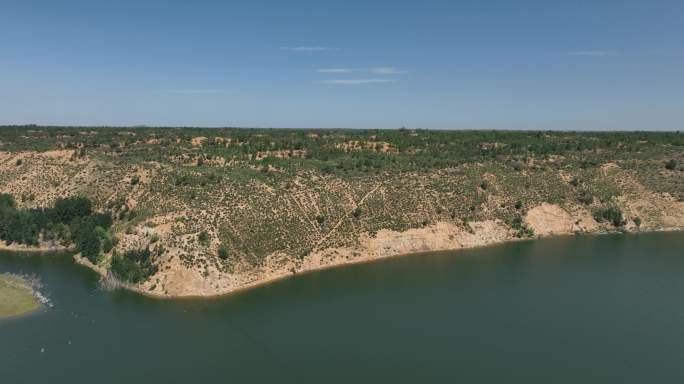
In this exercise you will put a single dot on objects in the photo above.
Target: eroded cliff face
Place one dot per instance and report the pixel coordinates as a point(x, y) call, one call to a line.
point(272, 230)
point(545, 220)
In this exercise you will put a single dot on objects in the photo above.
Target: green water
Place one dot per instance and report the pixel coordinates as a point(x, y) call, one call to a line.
point(594, 309)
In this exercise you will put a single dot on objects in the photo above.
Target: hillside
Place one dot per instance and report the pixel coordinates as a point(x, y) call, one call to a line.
point(210, 211)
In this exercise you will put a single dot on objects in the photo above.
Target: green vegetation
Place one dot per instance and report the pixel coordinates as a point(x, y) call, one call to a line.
point(203, 238)
point(223, 252)
point(71, 220)
point(133, 266)
point(612, 215)
point(522, 230)
point(586, 198)
point(339, 151)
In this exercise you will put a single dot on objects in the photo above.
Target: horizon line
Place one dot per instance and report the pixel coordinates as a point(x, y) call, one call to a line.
point(146, 126)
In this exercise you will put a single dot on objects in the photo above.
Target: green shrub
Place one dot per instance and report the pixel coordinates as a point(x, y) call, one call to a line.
point(518, 166)
point(517, 222)
point(524, 232)
point(611, 214)
point(586, 199)
point(671, 164)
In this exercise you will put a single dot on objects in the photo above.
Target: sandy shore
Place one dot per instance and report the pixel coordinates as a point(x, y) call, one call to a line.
point(419, 245)
point(42, 247)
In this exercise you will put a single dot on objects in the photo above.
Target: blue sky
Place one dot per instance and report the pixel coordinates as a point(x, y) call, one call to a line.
point(526, 64)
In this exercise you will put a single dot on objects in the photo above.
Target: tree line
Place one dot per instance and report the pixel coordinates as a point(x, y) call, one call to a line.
point(71, 220)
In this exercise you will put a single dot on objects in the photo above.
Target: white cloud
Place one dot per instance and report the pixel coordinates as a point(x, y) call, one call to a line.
point(307, 49)
point(335, 70)
point(591, 53)
point(195, 91)
point(356, 81)
point(374, 70)
point(386, 71)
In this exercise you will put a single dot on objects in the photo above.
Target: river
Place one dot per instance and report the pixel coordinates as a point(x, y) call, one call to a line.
point(584, 309)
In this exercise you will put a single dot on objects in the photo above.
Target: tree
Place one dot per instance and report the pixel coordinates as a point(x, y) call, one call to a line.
point(103, 220)
point(89, 244)
point(203, 238)
point(357, 212)
point(223, 252)
point(7, 201)
point(86, 238)
point(66, 210)
point(133, 266)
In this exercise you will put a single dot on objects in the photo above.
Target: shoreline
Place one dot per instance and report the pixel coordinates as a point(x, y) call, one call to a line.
point(24, 315)
point(41, 248)
point(362, 259)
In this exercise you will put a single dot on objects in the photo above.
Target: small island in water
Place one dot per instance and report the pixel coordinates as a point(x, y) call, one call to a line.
point(176, 212)
point(17, 296)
